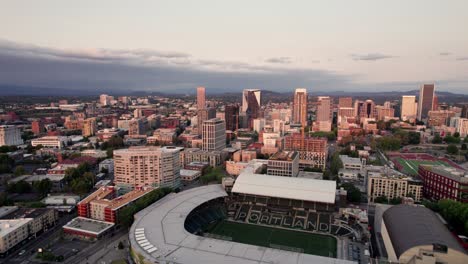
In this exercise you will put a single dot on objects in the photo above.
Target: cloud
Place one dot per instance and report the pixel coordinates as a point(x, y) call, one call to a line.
point(279, 60)
point(123, 71)
point(462, 58)
point(151, 70)
point(445, 53)
point(370, 57)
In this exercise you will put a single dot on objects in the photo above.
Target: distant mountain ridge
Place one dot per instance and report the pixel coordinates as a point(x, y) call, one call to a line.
point(15, 90)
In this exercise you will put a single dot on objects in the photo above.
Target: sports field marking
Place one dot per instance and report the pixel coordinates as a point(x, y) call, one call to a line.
point(310, 243)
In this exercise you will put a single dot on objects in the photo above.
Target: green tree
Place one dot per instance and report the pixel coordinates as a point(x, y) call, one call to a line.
point(19, 187)
point(452, 149)
point(381, 199)
point(452, 140)
point(414, 138)
point(335, 164)
point(437, 139)
point(353, 193)
point(388, 143)
point(19, 170)
point(43, 187)
point(456, 134)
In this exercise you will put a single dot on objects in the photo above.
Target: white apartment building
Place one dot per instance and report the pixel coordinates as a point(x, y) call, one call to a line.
point(460, 125)
point(13, 232)
point(10, 136)
point(409, 107)
point(107, 164)
point(147, 166)
point(393, 186)
point(214, 135)
point(284, 163)
point(51, 142)
point(350, 163)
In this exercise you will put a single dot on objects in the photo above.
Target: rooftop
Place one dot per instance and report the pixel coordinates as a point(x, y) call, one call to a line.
point(88, 225)
point(101, 193)
point(9, 225)
point(411, 226)
point(124, 199)
point(449, 172)
point(159, 236)
point(285, 187)
point(284, 156)
point(26, 213)
point(348, 159)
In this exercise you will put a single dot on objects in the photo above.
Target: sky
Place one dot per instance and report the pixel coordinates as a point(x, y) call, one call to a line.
point(175, 45)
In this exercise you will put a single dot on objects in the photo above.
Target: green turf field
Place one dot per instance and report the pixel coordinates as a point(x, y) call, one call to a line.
point(314, 244)
point(411, 166)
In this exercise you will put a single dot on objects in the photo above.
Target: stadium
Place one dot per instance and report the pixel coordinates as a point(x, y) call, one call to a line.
point(409, 162)
point(262, 219)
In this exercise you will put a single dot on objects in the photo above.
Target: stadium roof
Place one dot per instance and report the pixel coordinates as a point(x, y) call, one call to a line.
point(285, 187)
point(413, 226)
point(159, 236)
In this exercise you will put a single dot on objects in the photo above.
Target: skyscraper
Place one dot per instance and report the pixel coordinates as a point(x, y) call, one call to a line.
point(345, 102)
point(251, 102)
point(300, 107)
point(365, 109)
point(231, 116)
point(426, 100)
point(203, 115)
point(408, 107)
point(201, 104)
point(324, 114)
point(214, 134)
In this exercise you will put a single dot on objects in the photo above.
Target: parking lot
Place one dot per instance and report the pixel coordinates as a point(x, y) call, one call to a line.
point(66, 247)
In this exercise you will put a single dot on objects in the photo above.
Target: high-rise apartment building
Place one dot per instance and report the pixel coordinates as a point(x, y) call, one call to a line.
point(312, 151)
point(231, 116)
point(203, 115)
point(147, 166)
point(201, 96)
point(324, 114)
point(345, 102)
point(408, 107)
point(10, 136)
point(104, 99)
point(300, 107)
point(89, 127)
point(425, 100)
point(251, 103)
point(214, 134)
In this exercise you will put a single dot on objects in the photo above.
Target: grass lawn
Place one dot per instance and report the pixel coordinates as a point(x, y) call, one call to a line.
point(314, 244)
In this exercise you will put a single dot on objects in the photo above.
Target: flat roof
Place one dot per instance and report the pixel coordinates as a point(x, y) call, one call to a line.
point(158, 234)
point(285, 187)
point(88, 225)
point(9, 225)
point(284, 156)
point(101, 193)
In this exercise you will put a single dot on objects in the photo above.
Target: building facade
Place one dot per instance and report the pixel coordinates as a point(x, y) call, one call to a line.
point(147, 166)
point(214, 134)
point(312, 151)
point(10, 136)
point(283, 163)
point(442, 182)
point(426, 100)
point(300, 107)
